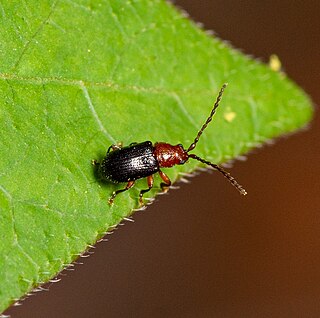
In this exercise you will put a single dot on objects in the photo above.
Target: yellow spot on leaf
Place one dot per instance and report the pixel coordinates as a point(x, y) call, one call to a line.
point(275, 63)
point(229, 116)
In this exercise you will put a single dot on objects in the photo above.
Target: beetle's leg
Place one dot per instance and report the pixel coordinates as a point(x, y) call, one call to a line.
point(142, 192)
point(115, 147)
point(115, 193)
point(95, 162)
point(166, 184)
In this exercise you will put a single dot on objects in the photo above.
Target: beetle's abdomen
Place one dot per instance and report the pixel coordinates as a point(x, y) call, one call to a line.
point(129, 163)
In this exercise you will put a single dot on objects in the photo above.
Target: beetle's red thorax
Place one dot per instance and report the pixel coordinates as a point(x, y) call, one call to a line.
point(168, 155)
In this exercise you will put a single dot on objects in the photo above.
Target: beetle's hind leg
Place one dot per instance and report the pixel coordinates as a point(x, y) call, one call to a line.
point(117, 146)
point(130, 184)
point(167, 182)
point(94, 162)
point(142, 192)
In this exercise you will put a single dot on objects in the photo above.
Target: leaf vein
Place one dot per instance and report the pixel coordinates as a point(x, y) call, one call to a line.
point(94, 113)
point(33, 36)
point(15, 235)
point(184, 110)
point(107, 84)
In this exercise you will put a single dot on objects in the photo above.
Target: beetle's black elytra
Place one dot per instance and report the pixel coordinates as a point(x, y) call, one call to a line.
point(129, 163)
point(143, 160)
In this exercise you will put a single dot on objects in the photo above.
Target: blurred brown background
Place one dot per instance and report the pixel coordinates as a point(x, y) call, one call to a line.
point(204, 251)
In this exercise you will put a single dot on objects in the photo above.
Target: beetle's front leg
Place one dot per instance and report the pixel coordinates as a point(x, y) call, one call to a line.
point(167, 182)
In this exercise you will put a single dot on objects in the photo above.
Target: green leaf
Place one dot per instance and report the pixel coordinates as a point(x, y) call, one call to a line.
point(77, 76)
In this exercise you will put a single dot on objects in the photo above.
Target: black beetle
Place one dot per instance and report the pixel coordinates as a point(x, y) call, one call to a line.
point(140, 160)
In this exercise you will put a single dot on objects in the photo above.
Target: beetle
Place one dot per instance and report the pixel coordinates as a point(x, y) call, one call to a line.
point(143, 160)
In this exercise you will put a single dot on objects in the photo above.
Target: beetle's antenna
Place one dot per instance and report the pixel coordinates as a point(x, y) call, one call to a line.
point(215, 106)
point(231, 179)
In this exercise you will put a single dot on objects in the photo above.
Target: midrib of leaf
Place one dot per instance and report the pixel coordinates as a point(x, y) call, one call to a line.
point(105, 85)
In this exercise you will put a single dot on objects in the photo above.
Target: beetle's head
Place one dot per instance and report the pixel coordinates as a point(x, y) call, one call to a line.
point(168, 155)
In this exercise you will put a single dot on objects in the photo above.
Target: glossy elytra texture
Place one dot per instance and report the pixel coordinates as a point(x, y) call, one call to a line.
point(129, 163)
